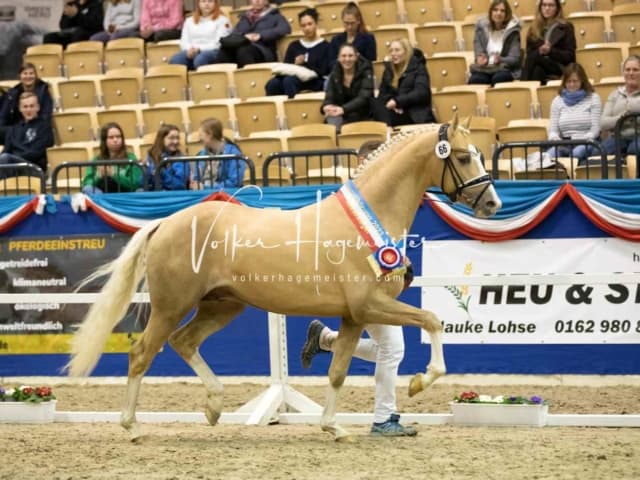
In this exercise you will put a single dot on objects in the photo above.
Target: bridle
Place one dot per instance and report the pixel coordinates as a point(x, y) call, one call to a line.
point(484, 181)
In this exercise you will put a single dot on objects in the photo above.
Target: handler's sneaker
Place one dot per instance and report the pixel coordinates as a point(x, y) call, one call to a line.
point(312, 346)
point(393, 428)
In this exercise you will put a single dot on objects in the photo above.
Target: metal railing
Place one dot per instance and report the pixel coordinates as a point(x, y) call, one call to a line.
point(309, 167)
point(203, 169)
point(22, 179)
point(67, 177)
point(624, 123)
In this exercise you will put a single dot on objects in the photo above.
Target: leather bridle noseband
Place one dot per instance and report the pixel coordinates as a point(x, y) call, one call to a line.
point(482, 180)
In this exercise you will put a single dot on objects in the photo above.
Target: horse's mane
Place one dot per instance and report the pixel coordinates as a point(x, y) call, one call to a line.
point(391, 144)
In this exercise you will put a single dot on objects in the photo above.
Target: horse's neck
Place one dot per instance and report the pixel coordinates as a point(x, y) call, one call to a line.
point(393, 187)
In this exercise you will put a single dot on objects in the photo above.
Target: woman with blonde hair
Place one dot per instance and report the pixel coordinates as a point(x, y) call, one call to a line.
point(355, 33)
point(551, 43)
point(201, 34)
point(121, 20)
point(404, 96)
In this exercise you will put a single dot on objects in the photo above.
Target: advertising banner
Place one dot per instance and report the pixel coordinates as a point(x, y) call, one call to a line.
point(53, 265)
point(578, 313)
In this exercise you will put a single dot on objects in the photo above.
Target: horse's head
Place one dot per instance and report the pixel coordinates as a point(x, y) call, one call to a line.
point(464, 178)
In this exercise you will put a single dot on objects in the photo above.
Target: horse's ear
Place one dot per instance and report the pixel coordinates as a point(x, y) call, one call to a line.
point(466, 123)
point(454, 122)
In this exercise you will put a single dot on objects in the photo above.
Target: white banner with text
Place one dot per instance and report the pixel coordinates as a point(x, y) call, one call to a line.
point(577, 313)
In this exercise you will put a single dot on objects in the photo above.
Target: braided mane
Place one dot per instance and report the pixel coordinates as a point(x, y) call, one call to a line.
point(402, 137)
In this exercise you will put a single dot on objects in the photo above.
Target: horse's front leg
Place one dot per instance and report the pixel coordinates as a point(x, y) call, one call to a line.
point(343, 347)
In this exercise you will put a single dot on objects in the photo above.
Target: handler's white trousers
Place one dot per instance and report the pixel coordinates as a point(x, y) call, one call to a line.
point(386, 349)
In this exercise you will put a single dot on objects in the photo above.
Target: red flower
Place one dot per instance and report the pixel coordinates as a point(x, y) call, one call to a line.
point(43, 391)
point(468, 396)
point(27, 390)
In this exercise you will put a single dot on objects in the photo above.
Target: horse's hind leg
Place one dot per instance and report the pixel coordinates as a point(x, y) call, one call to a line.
point(140, 356)
point(343, 347)
point(210, 317)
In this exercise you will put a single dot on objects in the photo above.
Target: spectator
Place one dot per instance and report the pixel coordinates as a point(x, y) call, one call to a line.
point(575, 114)
point(254, 38)
point(27, 141)
point(355, 33)
point(349, 89)
point(496, 46)
point(311, 51)
point(404, 96)
point(116, 178)
point(551, 43)
point(9, 106)
point(201, 34)
point(161, 20)
point(623, 100)
point(121, 20)
point(217, 174)
point(174, 176)
point(80, 19)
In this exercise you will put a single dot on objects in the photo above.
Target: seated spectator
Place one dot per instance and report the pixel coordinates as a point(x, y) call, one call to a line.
point(575, 114)
point(9, 106)
point(221, 173)
point(311, 51)
point(404, 95)
point(255, 36)
point(355, 33)
point(116, 178)
point(349, 89)
point(80, 19)
point(161, 20)
point(496, 46)
point(27, 141)
point(551, 43)
point(623, 100)
point(201, 34)
point(121, 20)
point(174, 176)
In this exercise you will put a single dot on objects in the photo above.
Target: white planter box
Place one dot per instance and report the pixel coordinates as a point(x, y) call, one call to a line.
point(499, 414)
point(27, 412)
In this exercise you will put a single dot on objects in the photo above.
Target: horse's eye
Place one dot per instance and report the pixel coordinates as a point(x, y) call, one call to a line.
point(464, 157)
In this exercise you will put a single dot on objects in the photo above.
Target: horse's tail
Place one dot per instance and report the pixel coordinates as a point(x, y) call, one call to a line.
point(112, 303)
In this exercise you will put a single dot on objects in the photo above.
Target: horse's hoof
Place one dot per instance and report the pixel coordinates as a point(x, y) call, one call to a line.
point(415, 386)
point(213, 409)
point(212, 417)
point(348, 438)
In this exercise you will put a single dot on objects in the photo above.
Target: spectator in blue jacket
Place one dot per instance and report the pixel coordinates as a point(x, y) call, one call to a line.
point(217, 174)
point(311, 51)
point(355, 33)
point(174, 176)
point(28, 140)
point(262, 27)
point(29, 82)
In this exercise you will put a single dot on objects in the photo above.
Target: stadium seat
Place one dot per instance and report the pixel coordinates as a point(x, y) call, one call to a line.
point(626, 24)
point(330, 15)
point(165, 83)
point(207, 85)
point(355, 140)
point(601, 5)
point(290, 11)
point(379, 12)
point(74, 127)
point(299, 111)
point(124, 53)
point(446, 103)
point(590, 27)
point(606, 85)
point(315, 169)
point(82, 62)
point(602, 59)
point(250, 82)
point(121, 87)
point(447, 70)
point(545, 95)
point(462, 9)
point(47, 64)
point(377, 128)
point(78, 93)
point(154, 117)
point(509, 103)
point(423, 11)
point(85, 46)
point(160, 53)
point(521, 134)
point(68, 180)
point(386, 34)
point(21, 185)
point(524, 8)
point(223, 110)
point(437, 38)
point(258, 114)
point(129, 119)
point(309, 129)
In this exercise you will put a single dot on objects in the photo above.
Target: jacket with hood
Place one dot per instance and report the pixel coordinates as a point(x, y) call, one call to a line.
point(510, 55)
point(358, 107)
point(413, 93)
point(271, 26)
point(30, 140)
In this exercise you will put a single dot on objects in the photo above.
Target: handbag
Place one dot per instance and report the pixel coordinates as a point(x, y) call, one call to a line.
point(233, 41)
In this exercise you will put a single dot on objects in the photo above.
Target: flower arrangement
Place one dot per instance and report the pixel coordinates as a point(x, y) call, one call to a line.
point(26, 393)
point(473, 397)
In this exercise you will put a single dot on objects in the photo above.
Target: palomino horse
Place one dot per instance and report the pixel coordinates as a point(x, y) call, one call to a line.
point(317, 260)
